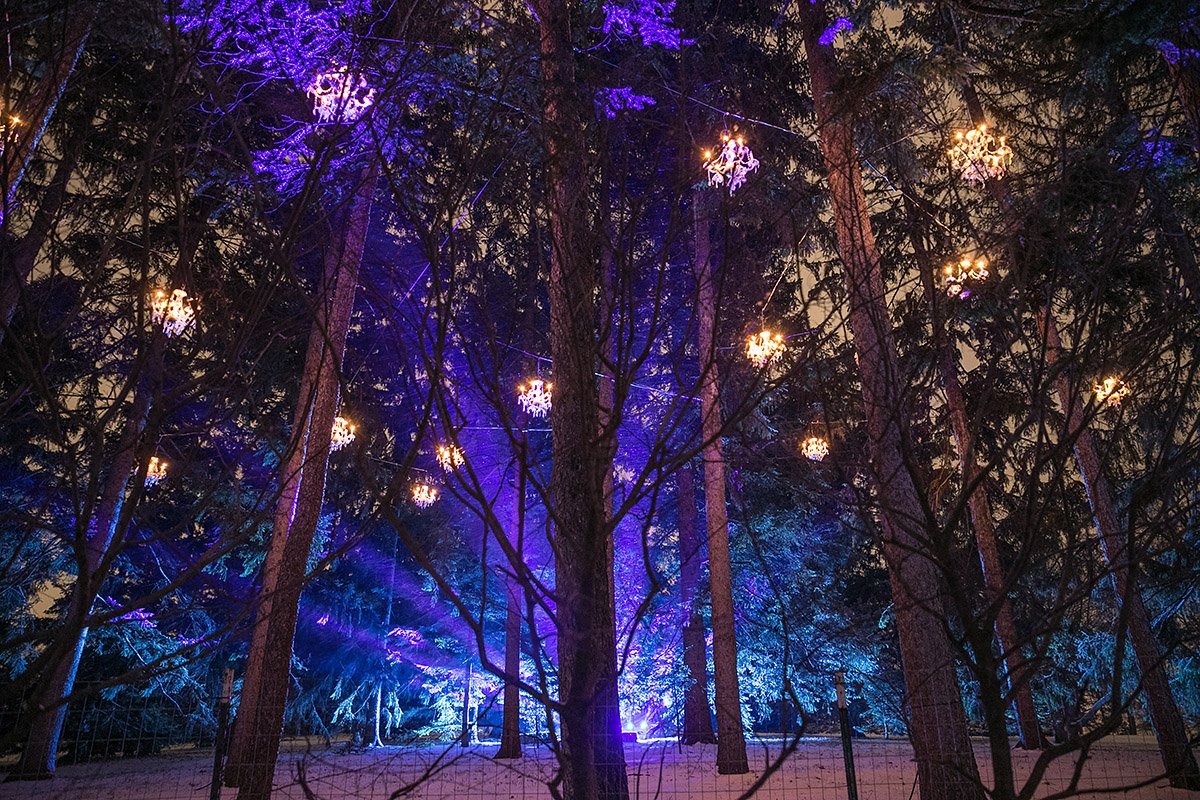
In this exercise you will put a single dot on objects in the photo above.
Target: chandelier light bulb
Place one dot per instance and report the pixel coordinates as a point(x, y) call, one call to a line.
point(814, 448)
point(174, 311)
point(764, 349)
point(342, 434)
point(424, 494)
point(1112, 390)
point(338, 96)
point(534, 397)
point(959, 274)
point(156, 470)
point(732, 163)
point(450, 457)
point(977, 155)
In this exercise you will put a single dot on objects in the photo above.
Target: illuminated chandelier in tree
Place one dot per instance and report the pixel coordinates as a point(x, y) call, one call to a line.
point(156, 470)
point(1111, 390)
point(342, 434)
point(732, 163)
point(977, 155)
point(424, 494)
point(338, 96)
point(174, 311)
point(7, 126)
point(534, 397)
point(765, 348)
point(449, 457)
point(965, 270)
point(814, 448)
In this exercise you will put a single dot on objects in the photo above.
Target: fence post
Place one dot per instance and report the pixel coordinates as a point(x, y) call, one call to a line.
point(223, 703)
point(839, 683)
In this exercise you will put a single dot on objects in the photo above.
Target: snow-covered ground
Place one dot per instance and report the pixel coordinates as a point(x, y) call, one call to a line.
point(814, 772)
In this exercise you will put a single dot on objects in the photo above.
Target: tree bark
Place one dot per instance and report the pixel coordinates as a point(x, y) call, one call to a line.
point(731, 738)
point(1169, 727)
point(591, 756)
point(510, 730)
point(946, 768)
point(387, 626)
point(464, 739)
point(697, 717)
point(255, 744)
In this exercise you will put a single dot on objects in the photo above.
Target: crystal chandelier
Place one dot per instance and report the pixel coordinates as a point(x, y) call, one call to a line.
point(977, 155)
point(174, 312)
point(967, 269)
point(814, 448)
point(534, 397)
point(342, 434)
point(155, 471)
point(732, 164)
point(1111, 390)
point(764, 348)
point(424, 494)
point(338, 96)
point(449, 457)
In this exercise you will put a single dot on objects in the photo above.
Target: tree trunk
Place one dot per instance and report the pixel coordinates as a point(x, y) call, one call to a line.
point(591, 756)
point(946, 768)
point(387, 626)
point(697, 718)
point(37, 110)
point(510, 730)
point(265, 686)
point(978, 504)
point(731, 739)
point(1169, 727)
point(464, 739)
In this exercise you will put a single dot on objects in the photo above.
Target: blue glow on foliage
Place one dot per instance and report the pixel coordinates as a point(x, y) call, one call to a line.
point(621, 98)
point(649, 20)
point(830, 34)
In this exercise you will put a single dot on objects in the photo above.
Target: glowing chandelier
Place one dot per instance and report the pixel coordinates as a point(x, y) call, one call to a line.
point(449, 457)
point(424, 494)
point(764, 348)
point(1111, 390)
point(958, 274)
point(174, 312)
point(814, 448)
point(342, 434)
point(977, 155)
point(534, 397)
point(338, 96)
point(732, 164)
point(156, 470)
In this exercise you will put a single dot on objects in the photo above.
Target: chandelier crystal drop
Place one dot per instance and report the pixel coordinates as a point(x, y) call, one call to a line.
point(174, 311)
point(814, 448)
point(1111, 390)
point(732, 163)
point(534, 397)
point(965, 270)
point(764, 348)
point(424, 494)
point(338, 96)
point(156, 470)
point(978, 156)
point(449, 457)
point(342, 434)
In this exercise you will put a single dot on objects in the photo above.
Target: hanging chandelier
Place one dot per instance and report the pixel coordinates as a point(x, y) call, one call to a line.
point(174, 312)
point(449, 457)
point(732, 163)
point(1111, 390)
point(342, 434)
point(764, 348)
point(156, 470)
point(338, 96)
point(978, 156)
point(814, 448)
point(534, 397)
point(958, 274)
point(424, 494)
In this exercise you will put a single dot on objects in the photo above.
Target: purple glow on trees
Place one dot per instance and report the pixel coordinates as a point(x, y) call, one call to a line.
point(612, 101)
point(649, 20)
point(837, 26)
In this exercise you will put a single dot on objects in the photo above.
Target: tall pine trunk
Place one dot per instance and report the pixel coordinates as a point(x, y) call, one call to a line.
point(591, 755)
point(731, 738)
point(946, 768)
point(255, 745)
point(510, 728)
point(1169, 727)
point(697, 717)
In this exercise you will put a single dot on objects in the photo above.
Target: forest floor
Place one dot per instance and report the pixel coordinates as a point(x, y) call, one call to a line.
point(656, 770)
